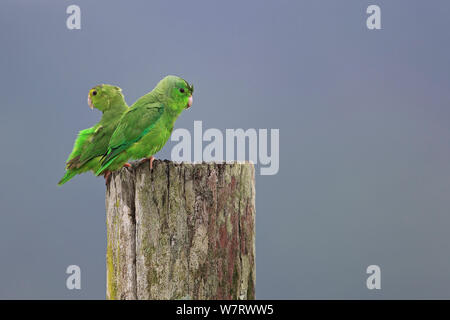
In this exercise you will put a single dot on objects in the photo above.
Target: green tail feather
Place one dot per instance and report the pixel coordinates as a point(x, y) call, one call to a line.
point(104, 167)
point(69, 175)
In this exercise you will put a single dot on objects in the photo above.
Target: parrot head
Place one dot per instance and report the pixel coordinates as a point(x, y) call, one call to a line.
point(177, 91)
point(102, 97)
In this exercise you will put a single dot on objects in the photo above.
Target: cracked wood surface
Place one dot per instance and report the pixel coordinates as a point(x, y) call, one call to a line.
point(182, 231)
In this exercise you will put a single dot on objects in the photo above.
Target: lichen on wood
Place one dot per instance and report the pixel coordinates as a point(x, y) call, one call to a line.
point(121, 234)
point(181, 230)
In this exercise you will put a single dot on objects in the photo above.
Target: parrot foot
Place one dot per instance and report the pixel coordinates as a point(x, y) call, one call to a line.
point(127, 165)
point(107, 177)
point(151, 159)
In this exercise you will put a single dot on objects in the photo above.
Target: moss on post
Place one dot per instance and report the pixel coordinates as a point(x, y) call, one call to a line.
point(181, 231)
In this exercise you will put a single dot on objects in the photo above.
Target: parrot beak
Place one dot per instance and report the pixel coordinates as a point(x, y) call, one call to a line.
point(189, 102)
point(90, 102)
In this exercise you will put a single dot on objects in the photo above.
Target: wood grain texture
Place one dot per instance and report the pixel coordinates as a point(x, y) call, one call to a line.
point(121, 237)
point(187, 231)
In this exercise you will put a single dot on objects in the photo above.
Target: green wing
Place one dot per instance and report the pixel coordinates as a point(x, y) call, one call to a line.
point(82, 141)
point(79, 146)
point(98, 144)
point(135, 124)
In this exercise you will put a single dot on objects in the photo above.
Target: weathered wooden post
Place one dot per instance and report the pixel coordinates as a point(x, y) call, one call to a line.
point(181, 231)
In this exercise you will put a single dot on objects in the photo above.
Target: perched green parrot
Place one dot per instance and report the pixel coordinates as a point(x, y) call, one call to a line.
point(92, 143)
point(145, 128)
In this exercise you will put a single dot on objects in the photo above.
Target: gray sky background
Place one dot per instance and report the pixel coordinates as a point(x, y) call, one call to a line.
point(364, 134)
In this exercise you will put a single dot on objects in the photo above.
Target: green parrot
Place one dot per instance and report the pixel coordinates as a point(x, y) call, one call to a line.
point(145, 128)
point(92, 143)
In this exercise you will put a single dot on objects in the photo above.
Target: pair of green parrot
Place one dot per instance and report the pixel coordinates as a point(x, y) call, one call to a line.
point(125, 133)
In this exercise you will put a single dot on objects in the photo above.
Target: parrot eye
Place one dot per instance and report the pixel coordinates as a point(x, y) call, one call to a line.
point(94, 93)
point(181, 90)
